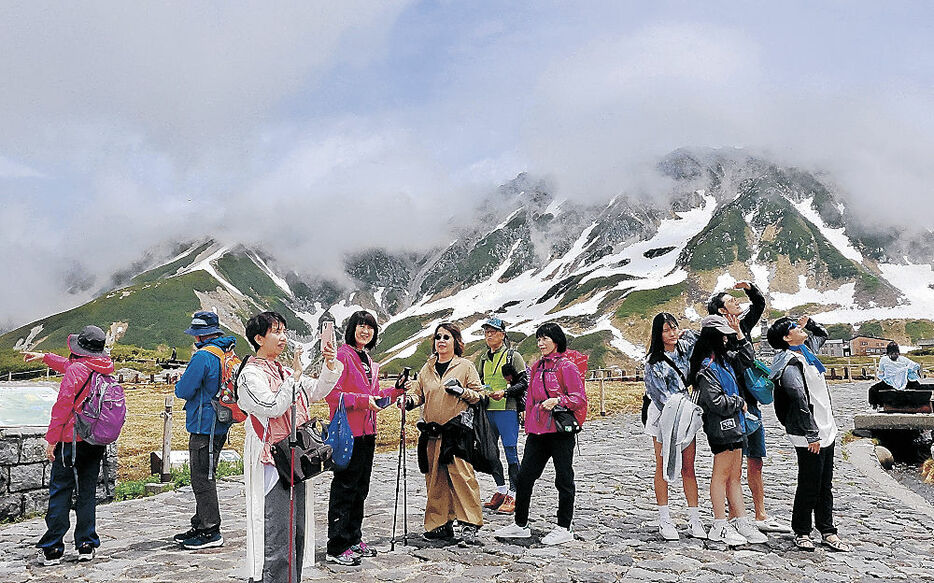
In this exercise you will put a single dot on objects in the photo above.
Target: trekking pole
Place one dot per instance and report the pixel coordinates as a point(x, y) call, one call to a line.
point(293, 441)
point(400, 465)
point(405, 487)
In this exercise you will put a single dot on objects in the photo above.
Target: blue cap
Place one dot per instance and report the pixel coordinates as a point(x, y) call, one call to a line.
point(495, 323)
point(204, 324)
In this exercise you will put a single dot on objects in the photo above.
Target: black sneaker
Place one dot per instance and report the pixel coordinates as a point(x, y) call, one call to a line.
point(49, 557)
point(203, 540)
point(443, 532)
point(183, 536)
point(86, 552)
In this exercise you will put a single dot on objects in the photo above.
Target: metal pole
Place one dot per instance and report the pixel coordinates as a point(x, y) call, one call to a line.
point(602, 394)
point(167, 441)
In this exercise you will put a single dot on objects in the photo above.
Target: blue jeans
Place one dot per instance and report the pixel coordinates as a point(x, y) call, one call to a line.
point(505, 425)
point(62, 485)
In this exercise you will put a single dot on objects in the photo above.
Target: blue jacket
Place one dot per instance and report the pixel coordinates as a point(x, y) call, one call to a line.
point(198, 386)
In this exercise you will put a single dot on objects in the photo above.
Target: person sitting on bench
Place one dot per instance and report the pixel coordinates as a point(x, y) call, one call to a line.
point(894, 372)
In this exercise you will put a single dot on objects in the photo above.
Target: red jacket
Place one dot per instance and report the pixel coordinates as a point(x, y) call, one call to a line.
point(355, 388)
point(553, 376)
point(76, 370)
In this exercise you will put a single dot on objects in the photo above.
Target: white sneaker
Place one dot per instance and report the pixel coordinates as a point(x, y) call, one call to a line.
point(748, 530)
point(513, 530)
point(696, 529)
point(726, 534)
point(558, 536)
point(668, 531)
point(772, 525)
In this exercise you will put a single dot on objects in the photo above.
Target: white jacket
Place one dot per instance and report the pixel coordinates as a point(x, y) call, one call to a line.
point(680, 421)
point(264, 404)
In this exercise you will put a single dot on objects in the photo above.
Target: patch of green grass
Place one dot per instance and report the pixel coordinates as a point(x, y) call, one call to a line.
point(157, 313)
point(129, 489)
point(583, 290)
point(918, 329)
point(871, 328)
point(722, 242)
point(840, 331)
point(402, 330)
point(642, 302)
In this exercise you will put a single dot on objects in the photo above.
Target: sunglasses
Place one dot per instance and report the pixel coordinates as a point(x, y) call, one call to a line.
point(443, 337)
point(792, 326)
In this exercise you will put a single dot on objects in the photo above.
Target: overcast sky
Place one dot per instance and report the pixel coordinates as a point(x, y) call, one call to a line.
point(311, 125)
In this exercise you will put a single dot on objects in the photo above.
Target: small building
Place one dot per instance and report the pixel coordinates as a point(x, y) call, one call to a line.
point(868, 346)
point(837, 348)
point(926, 343)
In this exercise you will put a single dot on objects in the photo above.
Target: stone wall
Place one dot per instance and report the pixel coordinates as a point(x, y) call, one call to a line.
point(24, 472)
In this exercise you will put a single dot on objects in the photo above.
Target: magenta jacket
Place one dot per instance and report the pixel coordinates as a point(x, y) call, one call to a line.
point(76, 370)
point(553, 376)
point(357, 391)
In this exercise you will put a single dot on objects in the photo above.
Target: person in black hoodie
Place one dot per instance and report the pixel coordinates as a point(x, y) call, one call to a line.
point(724, 303)
point(713, 368)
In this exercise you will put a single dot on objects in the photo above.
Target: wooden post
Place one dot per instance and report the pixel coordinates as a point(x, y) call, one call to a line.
point(167, 441)
point(602, 394)
point(48, 372)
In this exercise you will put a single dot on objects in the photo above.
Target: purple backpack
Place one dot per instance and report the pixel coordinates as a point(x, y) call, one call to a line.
point(100, 415)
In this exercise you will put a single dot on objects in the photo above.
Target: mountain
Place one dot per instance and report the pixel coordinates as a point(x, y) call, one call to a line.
point(602, 270)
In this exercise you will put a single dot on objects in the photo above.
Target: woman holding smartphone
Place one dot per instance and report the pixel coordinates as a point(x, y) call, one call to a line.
point(445, 385)
point(359, 388)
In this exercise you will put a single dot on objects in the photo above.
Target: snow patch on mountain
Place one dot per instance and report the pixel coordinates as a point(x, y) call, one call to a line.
point(207, 264)
point(837, 237)
point(619, 341)
point(843, 295)
point(275, 278)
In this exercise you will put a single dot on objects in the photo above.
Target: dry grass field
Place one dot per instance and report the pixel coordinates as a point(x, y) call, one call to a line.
point(143, 430)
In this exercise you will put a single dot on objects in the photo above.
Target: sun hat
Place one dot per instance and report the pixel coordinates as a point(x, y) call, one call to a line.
point(89, 342)
point(204, 324)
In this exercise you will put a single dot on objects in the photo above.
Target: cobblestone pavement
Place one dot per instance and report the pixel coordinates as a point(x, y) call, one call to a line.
point(614, 522)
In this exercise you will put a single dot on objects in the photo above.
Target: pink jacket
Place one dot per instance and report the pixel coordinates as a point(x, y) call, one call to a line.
point(553, 376)
point(77, 371)
point(357, 390)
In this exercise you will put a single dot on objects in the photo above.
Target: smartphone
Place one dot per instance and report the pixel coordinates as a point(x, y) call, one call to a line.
point(384, 402)
point(327, 335)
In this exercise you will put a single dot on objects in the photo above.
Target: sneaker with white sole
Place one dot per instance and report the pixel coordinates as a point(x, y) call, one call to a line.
point(748, 530)
point(513, 531)
point(49, 557)
point(772, 525)
point(696, 529)
point(667, 529)
point(348, 558)
point(558, 536)
point(726, 534)
point(86, 552)
point(204, 540)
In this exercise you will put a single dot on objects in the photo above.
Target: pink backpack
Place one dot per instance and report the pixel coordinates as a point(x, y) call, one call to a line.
point(100, 412)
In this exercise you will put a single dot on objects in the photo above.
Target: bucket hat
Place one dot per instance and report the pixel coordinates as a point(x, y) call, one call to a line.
point(204, 324)
point(89, 342)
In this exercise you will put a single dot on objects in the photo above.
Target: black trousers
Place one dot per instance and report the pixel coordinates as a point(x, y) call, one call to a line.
point(349, 489)
point(207, 515)
point(814, 494)
point(61, 487)
point(559, 447)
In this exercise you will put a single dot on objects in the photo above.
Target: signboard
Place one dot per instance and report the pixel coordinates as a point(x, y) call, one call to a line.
point(26, 405)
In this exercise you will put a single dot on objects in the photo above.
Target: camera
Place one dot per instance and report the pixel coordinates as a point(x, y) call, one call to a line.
point(454, 387)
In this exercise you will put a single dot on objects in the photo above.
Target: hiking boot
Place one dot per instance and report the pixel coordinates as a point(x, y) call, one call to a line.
point(513, 530)
point(558, 536)
point(49, 557)
point(469, 536)
point(443, 532)
point(495, 501)
point(183, 536)
point(348, 559)
point(667, 529)
point(696, 529)
point(726, 534)
point(86, 552)
point(748, 530)
point(508, 506)
point(363, 550)
point(203, 540)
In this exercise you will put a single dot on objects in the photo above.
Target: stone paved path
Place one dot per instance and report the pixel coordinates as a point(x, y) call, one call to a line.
point(616, 537)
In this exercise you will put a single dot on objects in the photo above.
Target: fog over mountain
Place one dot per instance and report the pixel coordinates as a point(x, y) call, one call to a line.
point(317, 131)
